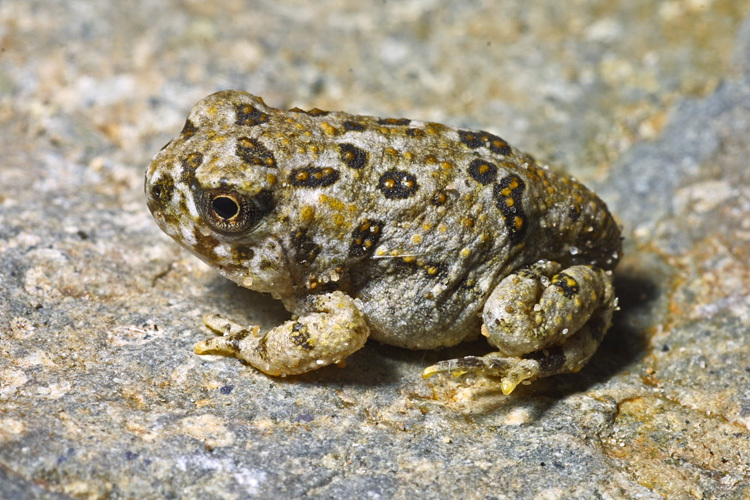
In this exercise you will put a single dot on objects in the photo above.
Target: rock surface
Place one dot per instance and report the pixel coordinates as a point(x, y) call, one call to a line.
point(100, 393)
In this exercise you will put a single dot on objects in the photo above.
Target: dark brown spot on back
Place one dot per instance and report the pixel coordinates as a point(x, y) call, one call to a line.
point(364, 237)
point(394, 121)
point(312, 177)
point(356, 126)
point(498, 145)
point(249, 116)
point(471, 138)
point(508, 194)
point(397, 184)
point(479, 138)
point(352, 156)
point(483, 171)
point(253, 152)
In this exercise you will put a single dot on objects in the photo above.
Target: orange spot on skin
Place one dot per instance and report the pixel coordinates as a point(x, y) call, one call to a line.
point(307, 213)
point(328, 129)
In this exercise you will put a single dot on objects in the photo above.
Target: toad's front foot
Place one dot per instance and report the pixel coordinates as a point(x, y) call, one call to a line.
point(334, 329)
point(231, 336)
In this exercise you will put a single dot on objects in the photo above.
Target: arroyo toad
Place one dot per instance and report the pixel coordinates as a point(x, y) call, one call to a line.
point(411, 233)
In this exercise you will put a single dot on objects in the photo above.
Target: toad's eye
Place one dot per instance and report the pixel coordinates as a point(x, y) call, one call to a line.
point(225, 207)
point(229, 212)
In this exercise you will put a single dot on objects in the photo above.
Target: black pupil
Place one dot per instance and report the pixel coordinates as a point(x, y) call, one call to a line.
point(225, 207)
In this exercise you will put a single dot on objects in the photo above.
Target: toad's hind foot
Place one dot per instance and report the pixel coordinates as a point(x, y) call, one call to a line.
point(512, 371)
point(567, 358)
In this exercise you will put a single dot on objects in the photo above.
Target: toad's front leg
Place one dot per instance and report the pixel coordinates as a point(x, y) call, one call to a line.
point(333, 329)
point(542, 322)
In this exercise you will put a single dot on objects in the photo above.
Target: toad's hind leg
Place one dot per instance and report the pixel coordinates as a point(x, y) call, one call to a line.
point(333, 329)
point(542, 322)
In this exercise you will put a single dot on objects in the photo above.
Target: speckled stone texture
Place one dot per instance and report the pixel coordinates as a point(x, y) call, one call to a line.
point(101, 395)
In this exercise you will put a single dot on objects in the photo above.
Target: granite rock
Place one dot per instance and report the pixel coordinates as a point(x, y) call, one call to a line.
point(101, 395)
